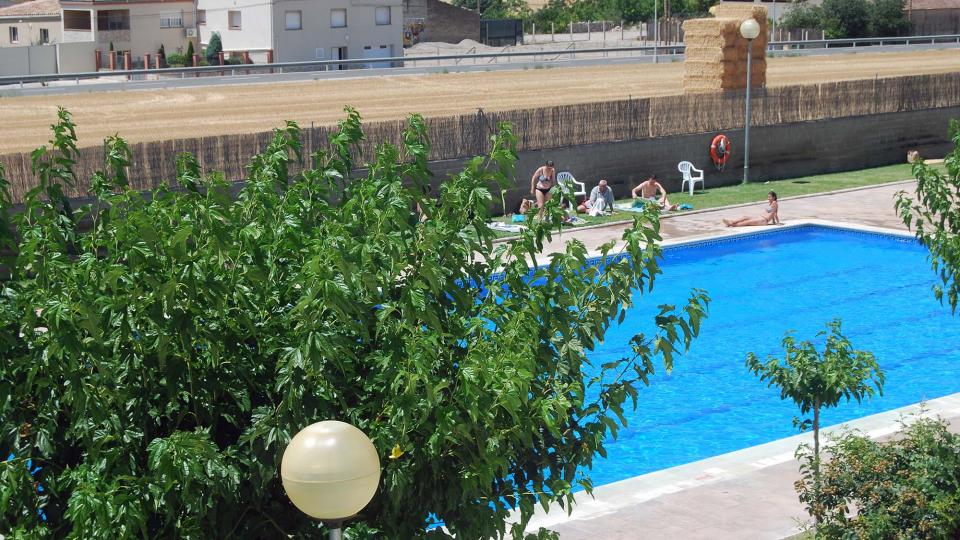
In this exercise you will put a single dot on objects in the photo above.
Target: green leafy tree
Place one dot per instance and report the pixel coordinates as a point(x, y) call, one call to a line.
point(802, 15)
point(190, 52)
point(933, 212)
point(162, 53)
point(497, 9)
point(815, 380)
point(561, 13)
point(213, 50)
point(845, 18)
point(905, 487)
point(887, 18)
point(158, 359)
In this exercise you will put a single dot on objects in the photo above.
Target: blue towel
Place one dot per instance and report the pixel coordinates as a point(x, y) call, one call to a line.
point(685, 206)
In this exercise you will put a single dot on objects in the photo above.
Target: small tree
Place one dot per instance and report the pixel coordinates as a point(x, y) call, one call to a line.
point(214, 48)
point(815, 380)
point(934, 213)
point(156, 361)
point(887, 18)
point(162, 54)
point(845, 18)
point(190, 50)
point(802, 15)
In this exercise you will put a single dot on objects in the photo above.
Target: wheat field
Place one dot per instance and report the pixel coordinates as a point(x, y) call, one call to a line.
point(146, 115)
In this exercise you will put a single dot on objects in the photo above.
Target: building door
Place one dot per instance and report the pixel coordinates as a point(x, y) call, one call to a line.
point(339, 53)
point(383, 51)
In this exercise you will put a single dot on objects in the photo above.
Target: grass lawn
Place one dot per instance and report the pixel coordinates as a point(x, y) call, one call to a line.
point(757, 192)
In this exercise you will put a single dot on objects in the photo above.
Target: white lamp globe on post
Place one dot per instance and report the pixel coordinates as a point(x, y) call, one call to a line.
point(330, 471)
point(749, 29)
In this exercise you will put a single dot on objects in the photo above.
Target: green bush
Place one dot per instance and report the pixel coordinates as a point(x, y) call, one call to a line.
point(177, 59)
point(903, 488)
point(213, 50)
point(160, 349)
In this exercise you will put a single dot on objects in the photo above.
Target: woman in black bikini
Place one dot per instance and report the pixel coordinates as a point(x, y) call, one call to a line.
point(542, 181)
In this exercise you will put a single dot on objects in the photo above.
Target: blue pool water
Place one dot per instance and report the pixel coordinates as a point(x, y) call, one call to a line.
point(761, 286)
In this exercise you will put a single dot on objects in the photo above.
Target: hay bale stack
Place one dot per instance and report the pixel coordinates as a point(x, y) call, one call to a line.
point(716, 54)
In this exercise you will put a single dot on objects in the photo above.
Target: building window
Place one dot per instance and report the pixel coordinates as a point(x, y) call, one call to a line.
point(294, 20)
point(44, 35)
point(338, 18)
point(14, 35)
point(114, 19)
point(382, 15)
point(76, 20)
point(234, 20)
point(171, 20)
point(201, 16)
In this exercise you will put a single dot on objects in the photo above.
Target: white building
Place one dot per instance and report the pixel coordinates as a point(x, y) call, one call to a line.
point(303, 30)
point(30, 23)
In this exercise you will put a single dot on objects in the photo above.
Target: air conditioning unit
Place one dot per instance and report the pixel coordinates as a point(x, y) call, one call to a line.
point(191, 32)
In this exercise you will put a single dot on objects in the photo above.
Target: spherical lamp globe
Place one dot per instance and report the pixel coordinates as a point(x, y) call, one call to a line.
point(330, 470)
point(750, 29)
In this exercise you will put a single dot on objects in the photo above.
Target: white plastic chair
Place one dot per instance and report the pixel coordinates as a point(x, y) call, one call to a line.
point(566, 181)
point(687, 169)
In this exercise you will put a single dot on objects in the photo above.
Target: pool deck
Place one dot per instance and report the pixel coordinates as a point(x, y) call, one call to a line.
point(870, 206)
point(747, 494)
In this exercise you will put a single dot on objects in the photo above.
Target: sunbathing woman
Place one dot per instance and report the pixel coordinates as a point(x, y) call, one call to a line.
point(769, 216)
point(542, 182)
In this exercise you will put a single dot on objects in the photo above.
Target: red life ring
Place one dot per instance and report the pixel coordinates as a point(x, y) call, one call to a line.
point(720, 151)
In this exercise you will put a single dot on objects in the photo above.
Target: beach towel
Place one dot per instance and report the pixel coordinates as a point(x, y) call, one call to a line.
point(506, 227)
point(627, 207)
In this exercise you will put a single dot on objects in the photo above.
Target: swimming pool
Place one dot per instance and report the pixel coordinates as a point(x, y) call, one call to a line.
point(762, 285)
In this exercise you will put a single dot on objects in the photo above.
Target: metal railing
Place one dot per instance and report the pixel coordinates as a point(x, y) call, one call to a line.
point(861, 42)
point(400, 62)
point(289, 67)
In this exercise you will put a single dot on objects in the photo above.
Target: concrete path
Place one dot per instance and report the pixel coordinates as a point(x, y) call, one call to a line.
point(865, 206)
point(748, 494)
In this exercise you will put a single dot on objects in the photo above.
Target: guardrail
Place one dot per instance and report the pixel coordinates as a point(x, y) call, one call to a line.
point(398, 62)
point(861, 42)
point(312, 65)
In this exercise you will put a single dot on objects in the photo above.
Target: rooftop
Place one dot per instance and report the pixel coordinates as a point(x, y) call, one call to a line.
point(32, 9)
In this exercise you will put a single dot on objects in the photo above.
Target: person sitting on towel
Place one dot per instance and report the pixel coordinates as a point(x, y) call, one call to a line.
point(648, 191)
point(600, 201)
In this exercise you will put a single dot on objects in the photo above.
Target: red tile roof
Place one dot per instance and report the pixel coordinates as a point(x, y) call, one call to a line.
point(34, 8)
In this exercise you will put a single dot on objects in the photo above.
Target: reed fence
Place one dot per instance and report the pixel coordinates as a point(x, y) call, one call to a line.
point(462, 136)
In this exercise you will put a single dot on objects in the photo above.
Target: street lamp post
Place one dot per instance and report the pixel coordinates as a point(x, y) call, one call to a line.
point(656, 32)
point(330, 471)
point(749, 29)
